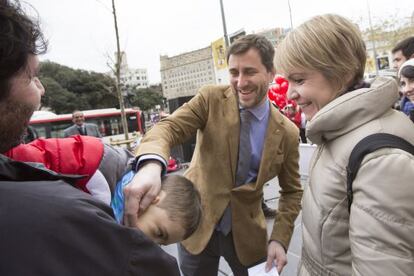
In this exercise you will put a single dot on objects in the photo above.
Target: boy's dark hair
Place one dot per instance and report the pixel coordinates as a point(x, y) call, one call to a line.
point(182, 202)
point(258, 42)
point(20, 36)
point(406, 46)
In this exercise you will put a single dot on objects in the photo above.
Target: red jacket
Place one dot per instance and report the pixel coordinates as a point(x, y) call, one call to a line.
point(77, 154)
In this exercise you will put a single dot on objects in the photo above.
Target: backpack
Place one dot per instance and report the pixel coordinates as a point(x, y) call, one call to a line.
point(367, 145)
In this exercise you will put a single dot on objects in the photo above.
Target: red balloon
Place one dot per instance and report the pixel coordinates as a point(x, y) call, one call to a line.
point(292, 102)
point(275, 88)
point(271, 95)
point(279, 79)
point(284, 86)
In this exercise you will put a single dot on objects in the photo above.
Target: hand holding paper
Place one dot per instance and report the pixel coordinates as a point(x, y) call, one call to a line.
point(276, 255)
point(259, 270)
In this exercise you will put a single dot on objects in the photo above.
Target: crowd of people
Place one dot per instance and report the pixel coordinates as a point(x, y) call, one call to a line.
point(77, 206)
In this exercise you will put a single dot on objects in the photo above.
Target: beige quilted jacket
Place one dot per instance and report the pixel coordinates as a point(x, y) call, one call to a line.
point(377, 237)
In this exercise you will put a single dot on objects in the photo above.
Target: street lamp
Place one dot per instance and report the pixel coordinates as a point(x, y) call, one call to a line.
point(223, 18)
point(290, 15)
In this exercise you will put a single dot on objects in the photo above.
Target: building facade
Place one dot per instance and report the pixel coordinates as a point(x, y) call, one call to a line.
point(137, 78)
point(131, 78)
point(184, 74)
point(274, 35)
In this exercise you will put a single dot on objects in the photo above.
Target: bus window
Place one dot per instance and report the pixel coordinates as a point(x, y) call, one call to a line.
point(41, 130)
point(57, 129)
point(132, 123)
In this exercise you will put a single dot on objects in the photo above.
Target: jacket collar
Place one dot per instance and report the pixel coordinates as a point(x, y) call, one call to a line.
point(11, 170)
point(351, 110)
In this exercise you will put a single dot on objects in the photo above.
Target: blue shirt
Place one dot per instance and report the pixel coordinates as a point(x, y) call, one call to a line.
point(406, 106)
point(258, 128)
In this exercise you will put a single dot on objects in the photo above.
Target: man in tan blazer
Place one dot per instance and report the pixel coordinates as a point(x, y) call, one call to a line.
point(233, 224)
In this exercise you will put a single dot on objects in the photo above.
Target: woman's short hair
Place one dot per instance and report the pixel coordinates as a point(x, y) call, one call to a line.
point(329, 44)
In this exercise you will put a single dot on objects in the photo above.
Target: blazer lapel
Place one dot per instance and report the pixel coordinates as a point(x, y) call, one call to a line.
point(231, 115)
point(273, 138)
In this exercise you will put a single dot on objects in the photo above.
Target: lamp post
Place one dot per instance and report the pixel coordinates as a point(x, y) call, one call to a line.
point(290, 15)
point(223, 18)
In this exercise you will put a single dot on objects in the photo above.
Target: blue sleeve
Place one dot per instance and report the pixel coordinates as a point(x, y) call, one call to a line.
point(117, 202)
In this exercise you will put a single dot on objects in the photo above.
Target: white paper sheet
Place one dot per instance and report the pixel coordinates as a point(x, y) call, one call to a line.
point(259, 270)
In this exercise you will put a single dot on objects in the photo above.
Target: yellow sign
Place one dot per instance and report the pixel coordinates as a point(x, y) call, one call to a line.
point(370, 65)
point(219, 53)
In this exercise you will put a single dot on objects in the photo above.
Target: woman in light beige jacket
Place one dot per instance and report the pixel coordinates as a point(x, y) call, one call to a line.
point(324, 61)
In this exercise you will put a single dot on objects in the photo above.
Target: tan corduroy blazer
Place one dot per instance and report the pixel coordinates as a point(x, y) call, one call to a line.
point(213, 114)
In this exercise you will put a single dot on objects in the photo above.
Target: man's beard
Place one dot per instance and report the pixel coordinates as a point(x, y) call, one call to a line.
point(14, 118)
point(260, 91)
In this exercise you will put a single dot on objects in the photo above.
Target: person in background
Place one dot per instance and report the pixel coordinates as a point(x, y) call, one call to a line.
point(406, 76)
point(403, 51)
point(80, 127)
point(303, 128)
point(376, 236)
point(242, 142)
point(51, 228)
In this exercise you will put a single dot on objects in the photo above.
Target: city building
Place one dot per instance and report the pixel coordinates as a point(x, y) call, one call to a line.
point(274, 35)
point(137, 78)
point(131, 78)
point(379, 42)
point(182, 75)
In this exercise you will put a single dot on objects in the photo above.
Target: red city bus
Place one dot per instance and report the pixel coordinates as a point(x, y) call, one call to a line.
point(48, 124)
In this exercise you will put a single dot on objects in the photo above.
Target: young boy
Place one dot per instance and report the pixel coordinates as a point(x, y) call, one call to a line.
point(173, 216)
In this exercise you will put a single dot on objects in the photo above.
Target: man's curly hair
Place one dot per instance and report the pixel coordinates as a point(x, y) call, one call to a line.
point(20, 36)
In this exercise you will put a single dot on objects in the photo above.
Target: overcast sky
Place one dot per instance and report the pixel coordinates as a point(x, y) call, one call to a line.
point(81, 32)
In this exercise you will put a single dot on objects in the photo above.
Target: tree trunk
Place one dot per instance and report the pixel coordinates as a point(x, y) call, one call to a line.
point(118, 75)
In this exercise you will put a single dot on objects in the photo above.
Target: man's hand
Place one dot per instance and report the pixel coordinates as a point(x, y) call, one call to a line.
point(275, 255)
point(145, 186)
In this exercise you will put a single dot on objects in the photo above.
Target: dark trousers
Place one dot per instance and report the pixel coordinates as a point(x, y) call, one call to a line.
point(207, 262)
point(302, 134)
